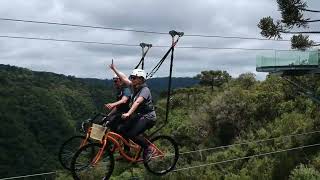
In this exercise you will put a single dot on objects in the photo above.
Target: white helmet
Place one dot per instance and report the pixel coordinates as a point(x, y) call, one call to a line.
point(139, 73)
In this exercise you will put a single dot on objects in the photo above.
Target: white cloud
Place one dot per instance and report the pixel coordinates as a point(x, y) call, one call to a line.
point(227, 18)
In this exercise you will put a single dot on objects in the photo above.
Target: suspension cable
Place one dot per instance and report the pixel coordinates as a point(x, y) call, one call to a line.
point(246, 157)
point(137, 31)
point(257, 141)
point(136, 45)
point(220, 147)
point(66, 40)
point(31, 175)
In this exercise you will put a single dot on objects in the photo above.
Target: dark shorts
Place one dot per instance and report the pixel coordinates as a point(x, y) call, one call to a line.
point(136, 125)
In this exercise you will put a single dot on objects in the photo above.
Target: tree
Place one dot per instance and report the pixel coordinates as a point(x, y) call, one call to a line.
point(292, 16)
point(302, 172)
point(247, 80)
point(213, 78)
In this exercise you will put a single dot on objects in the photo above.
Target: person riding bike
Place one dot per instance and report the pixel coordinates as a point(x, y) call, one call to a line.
point(120, 106)
point(141, 115)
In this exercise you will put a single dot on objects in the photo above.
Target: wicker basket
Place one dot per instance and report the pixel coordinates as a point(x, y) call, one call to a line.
point(97, 132)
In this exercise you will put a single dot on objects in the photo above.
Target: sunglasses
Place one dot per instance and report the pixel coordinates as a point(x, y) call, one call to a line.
point(133, 77)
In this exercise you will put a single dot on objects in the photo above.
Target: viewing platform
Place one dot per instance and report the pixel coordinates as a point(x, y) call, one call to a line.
point(289, 62)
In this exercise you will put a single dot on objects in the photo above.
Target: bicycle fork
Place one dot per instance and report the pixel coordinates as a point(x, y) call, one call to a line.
point(99, 154)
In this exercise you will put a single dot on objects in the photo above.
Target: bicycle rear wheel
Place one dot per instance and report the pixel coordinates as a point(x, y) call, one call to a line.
point(161, 164)
point(83, 168)
point(68, 148)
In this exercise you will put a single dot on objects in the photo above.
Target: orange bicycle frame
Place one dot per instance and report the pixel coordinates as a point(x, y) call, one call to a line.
point(117, 140)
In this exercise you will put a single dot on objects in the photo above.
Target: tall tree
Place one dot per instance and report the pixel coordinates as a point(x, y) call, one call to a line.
point(247, 80)
point(291, 17)
point(213, 78)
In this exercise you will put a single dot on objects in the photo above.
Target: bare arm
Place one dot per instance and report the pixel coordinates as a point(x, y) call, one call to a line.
point(112, 111)
point(133, 108)
point(123, 100)
point(122, 76)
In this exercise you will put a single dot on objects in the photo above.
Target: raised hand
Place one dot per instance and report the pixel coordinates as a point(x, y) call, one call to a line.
point(112, 66)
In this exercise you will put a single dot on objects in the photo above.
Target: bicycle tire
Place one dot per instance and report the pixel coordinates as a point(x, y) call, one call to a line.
point(163, 147)
point(97, 173)
point(66, 155)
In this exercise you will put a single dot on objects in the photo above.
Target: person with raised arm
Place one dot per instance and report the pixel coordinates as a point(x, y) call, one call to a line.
point(120, 106)
point(141, 115)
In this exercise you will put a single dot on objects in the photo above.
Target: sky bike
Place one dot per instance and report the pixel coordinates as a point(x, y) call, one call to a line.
point(67, 149)
point(96, 160)
point(72, 144)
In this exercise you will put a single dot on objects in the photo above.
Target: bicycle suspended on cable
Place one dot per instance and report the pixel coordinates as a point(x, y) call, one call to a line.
point(71, 145)
point(96, 160)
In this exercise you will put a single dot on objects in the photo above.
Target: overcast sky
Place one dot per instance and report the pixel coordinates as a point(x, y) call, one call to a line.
point(208, 17)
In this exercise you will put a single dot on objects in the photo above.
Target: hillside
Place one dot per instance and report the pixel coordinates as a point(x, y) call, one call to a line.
point(39, 110)
point(246, 129)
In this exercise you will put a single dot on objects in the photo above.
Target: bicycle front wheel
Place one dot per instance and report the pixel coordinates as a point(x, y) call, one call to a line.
point(165, 158)
point(82, 166)
point(68, 148)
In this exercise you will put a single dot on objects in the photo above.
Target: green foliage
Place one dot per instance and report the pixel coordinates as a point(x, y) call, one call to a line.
point(40, 110)
point(291, 12)
point(243, 110)
point(231, 111)
point(301, 42)
point(269, 29)
point(303, 172)
point(291, 17)
point(247, 80)
point(213, 78)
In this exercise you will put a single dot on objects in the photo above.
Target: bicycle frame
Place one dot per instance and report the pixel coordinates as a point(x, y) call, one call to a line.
point(117, 140)
point(84, 142)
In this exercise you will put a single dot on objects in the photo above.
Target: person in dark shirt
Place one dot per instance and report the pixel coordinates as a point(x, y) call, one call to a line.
point(120, 106)
point(141, 115)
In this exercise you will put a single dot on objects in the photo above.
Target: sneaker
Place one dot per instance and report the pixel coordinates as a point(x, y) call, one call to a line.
point(147, 153)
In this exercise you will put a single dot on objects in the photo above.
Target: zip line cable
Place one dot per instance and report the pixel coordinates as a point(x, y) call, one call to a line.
point(66, 40)
point(246, 157)
point(137, 31)
point(248, 142)
point(219, 147)
point(136, 45)
point(31, 175)
point(82, 26)
point(257, 141)
point(202, 165)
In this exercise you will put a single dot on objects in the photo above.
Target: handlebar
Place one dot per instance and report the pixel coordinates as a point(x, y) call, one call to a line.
point(87, 123)
point(97, 115)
